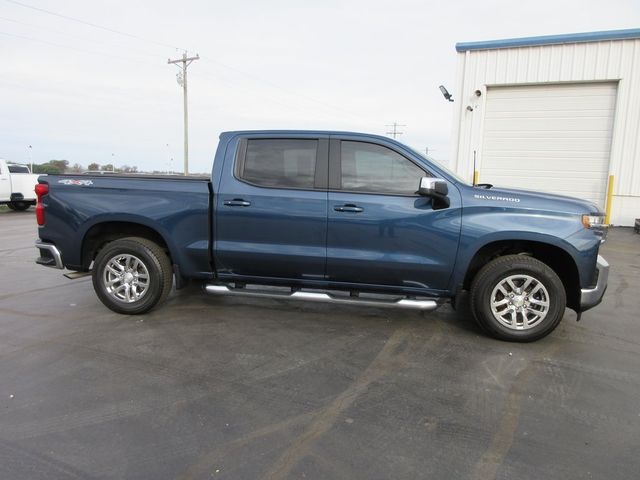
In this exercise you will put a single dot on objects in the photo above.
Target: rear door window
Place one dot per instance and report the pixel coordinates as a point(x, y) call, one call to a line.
point(279, 163)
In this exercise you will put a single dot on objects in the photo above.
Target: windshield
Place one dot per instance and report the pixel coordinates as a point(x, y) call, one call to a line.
point(448, 171)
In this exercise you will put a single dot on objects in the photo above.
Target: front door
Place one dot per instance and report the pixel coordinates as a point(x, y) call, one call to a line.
point(271, 210)
point(380, 231)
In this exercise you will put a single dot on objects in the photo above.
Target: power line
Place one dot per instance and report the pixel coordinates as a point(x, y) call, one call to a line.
point(137, 37)
point(395, 131)
point(60, 45)
point(260, 94)
point(286, 90)
point(94, 25)
point(77, 37)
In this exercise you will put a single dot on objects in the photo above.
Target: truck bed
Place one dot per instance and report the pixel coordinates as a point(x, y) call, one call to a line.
point(177, 207)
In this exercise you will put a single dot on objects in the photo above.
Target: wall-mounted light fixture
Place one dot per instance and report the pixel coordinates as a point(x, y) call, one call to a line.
point(445, 93)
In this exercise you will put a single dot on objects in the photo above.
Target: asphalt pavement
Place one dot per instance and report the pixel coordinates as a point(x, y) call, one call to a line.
point(222, 388)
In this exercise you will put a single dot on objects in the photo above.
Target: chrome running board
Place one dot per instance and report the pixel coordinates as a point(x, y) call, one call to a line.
point(74, 275)
point(408, 303)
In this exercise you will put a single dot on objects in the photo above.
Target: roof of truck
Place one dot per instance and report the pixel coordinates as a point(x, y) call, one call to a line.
point(309, 133)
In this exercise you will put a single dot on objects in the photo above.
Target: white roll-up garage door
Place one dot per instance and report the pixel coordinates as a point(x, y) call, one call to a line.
point(553, 138)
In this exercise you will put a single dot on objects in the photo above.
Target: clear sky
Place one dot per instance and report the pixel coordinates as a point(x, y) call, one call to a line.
point(86, 94)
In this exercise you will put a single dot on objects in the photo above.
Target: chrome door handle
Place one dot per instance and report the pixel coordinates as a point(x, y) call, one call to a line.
point(237, 202)
point(349, 207)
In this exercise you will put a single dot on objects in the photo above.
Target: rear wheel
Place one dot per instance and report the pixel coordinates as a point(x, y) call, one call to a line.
point(132, 275)
point(517, 298)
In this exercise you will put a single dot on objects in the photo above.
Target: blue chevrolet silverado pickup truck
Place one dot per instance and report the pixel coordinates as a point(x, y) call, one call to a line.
point(337, 217)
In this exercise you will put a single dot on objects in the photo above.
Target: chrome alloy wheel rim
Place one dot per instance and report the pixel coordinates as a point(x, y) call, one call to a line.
point(126, 278)
point(520, 302)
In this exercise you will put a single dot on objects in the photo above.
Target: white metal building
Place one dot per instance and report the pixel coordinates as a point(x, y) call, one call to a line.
point(555, 113)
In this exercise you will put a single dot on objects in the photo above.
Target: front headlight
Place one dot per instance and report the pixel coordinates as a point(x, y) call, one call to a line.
point(596, 223)
point(593, 221)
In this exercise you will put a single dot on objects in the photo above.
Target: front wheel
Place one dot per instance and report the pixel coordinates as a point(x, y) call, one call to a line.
point(131, 275)
point(517, 298)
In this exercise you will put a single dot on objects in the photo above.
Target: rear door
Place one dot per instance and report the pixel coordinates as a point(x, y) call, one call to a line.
point(23, 182)
point(380, 231)
point(271, 209)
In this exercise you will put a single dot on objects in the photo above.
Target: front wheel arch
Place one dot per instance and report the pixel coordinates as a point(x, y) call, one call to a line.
point(558, 259)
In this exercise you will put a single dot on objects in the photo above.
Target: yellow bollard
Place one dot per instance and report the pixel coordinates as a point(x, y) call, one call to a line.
point(476, 175)
point(607, 218)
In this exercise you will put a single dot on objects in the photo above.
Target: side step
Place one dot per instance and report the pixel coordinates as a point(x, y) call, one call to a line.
point(424, 305)
point(74, 275)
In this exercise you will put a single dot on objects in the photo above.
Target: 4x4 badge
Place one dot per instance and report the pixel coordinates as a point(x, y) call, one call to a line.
point(71, 181)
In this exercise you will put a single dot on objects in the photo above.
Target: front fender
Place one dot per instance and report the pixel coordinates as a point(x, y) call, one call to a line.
point(482, 226)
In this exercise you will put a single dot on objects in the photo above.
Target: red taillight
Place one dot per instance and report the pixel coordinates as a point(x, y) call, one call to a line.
point(42, 189)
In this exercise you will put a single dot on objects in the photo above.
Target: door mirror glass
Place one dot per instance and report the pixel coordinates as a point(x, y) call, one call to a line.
point(433, 187)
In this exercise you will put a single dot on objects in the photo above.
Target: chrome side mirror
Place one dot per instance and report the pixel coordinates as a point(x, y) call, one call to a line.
point(433, 187)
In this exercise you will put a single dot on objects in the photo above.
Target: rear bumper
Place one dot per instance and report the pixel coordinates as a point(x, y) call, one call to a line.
point(590, 297)
point(49, 255)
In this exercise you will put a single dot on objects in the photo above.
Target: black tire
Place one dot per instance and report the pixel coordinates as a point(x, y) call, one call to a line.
point(519, 268)
point(19, 206)
point(152, 258)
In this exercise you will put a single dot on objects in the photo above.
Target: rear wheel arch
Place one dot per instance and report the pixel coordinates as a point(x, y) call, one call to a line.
point(100, 234)
point(558, 259)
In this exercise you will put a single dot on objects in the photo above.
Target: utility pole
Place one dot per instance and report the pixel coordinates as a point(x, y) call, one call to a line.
point(30, 158)
point(182, 81)
point(395, 131)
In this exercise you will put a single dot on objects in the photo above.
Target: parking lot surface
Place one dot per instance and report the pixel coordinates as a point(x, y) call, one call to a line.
point(206, 387)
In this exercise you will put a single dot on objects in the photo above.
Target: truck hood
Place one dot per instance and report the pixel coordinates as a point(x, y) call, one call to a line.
point(536, 200)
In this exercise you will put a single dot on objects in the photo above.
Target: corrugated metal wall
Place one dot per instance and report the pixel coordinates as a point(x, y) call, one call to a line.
point(612, 60)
